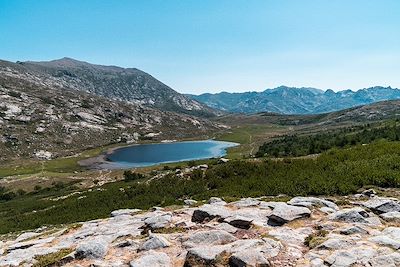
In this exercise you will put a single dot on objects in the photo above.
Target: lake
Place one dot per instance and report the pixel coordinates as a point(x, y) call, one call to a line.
point(152, 154)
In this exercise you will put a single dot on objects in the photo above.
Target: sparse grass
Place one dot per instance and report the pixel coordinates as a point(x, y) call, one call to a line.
point(316, 239)
point(170, 230)
point(51, 258)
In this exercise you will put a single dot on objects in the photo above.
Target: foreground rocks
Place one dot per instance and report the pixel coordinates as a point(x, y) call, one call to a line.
point(305, 231)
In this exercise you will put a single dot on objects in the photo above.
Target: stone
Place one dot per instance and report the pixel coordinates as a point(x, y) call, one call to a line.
point(353, 230)
point(155, 242)
point(239, 221)
point(312, 202)
point(385, 241)
point(158, 221)
point(216, 201)
point(248, 258)
point(94, 249)
point(25, 236)
point(211, 237)
point(190, 202)
point(335, 244)
point(246, 202)
point(226, 227)
point(121, 212)
point(392, 216)
point(203, 256)
point(382, 205)
point(153, 259)
point(389, 260)
point(369, 192)
point(327, 210)
point(282, 214)
point(210, 212)
point(353, 215)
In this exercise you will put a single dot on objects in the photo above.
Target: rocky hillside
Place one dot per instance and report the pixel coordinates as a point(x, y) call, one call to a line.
point(359, 230)
point(42, 117)
point(289, 100)
point(126, 84)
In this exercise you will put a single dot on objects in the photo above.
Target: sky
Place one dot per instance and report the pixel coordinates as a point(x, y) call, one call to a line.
point(198, 46)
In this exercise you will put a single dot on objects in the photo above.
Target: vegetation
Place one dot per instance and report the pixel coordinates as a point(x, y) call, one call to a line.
point(336, 172)
point(131, 176)
point(295, 145)
point(316, 239)
point(51, 258)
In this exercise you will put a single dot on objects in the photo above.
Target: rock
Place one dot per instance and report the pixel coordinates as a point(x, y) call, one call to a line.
point(190, 202)
point(116, 213)
point(25, 236)
point(269, 247)
point(226, 227)
point(353, 215)
point(153, 259)
point(382, 205)
point(94, 249)
point(282, 214)
point(369, 192)
point(335, 244)
point(389, 260)
point(158, 221)
point(246, 202)
point(223, 160)
point(312, 202)
point(385, 241)
point(210, 212)
point(154, 242)
point(327, 210)
point(248, 258)
point(203, 256)
point(392, 216)
point(239, 221)
point(353, 230)
point(289, 235)
point(216, 201)
point(351, 257)
point(211, 237)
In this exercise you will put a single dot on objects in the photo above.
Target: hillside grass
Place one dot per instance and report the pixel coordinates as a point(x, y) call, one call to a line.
point(335, 172)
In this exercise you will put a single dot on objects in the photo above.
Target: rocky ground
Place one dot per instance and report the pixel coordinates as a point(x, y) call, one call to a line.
point(363, 230)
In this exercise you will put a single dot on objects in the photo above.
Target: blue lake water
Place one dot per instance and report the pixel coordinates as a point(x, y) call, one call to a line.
point(153, 154)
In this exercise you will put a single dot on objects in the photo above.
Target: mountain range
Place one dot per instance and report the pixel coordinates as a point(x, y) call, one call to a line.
point(292, 100)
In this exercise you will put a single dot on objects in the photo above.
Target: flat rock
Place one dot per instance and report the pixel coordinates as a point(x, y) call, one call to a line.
point(25, 236)
point(392, 216)
point(382, 205)
point(353, 215)
point(158, 221)
point(94, 249)
point(211, 237)
point(155, 242)
point(153, 259)
point(353, 230)
point(209, 212)
point(226, 227)
point(312, 202)
point(203, 256)
point(282, 214)
point(239, 221)
point(249, 258)
point(216, 201)
point(120, 212)
point(246, 202)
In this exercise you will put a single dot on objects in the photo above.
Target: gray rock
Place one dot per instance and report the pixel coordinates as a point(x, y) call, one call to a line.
point(216, 201)
point(327, 210)
point(25, 236)
point(269, 247)
point(282, 214)
point(226, 227)
point(353, 230)
point(369, 192)
point(190, 202)
point(248, 258)
point(203, 256)
point(350, 257)
point(120, 212)
point(158, 221)
point(210, 212)
point(312, 202)
point(154, 242)
point(246, 202)
point(94, 249)
point(152, 259)
point(211, 237)
point(392, 216)
point(239, 221)
point(382, 205)
point(335, 244)
point(385, 241)
point(389, 260)
point(353, 215)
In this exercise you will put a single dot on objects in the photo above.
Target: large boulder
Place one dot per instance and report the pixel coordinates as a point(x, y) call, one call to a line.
point(158, 221)
point(94, 249)
point(284, 213)
point(154, 242)
point(382, 205)
point(211, 237)
point(312, 202)
point(209, 212)
point(153, 259)
point(353, 215)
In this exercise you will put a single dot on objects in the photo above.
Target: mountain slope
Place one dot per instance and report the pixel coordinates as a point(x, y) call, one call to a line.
point(289, 100)
point(39, 115)
point(127, 84)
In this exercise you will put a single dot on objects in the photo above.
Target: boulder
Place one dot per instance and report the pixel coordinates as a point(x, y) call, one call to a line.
point(204, 256)
point(153, 259)
point(351, 257)
point(389, 260)
point(282, 214)
point(248, 258)
point(312, 202)
point(94, 249)
point(369, 192)
point(120, 212)
point(353, 215)
point(211, 237)
point(392, 216)
point(382, 205)
point(385, 241)
point(353, 230)
point(27, 235)
point(226, 227)
point(154, 242)
point(239, 221)
point(190, 202)
point(327, 210)
point(216, 201)
point(246, 202)
point(209, 212)
point(335, 244)
point(158, 221)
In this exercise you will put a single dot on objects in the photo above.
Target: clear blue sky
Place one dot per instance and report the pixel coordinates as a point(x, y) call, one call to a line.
point(215, 45)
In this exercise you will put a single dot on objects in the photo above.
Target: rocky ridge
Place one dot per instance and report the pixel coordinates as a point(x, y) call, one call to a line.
point(305, 231)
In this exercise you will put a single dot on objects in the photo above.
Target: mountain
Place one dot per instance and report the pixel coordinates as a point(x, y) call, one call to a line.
point(127, 84)
point(41, 115)
point(291, 100)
